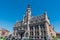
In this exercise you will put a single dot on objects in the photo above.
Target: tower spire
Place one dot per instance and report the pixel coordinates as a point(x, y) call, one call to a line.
point(27, 16)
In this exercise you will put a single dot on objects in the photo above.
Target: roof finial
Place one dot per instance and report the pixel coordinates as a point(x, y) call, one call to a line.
point(45, 12)
point(28, 5)
point(16, 21)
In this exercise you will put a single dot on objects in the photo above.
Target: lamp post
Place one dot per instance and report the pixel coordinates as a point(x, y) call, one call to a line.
point(21, 32)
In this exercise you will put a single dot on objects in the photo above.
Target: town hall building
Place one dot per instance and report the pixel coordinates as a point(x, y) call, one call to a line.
point(34, 27)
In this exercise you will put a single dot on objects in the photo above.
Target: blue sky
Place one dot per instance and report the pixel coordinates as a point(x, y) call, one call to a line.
point(12, 10)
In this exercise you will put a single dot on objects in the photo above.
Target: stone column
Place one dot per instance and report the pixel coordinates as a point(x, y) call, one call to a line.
point(34, 31)
point(39, 32)
point(42, 33)
point(28, 30)
point(47, 31)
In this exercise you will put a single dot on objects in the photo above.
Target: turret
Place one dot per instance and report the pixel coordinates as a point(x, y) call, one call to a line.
point(46, 17)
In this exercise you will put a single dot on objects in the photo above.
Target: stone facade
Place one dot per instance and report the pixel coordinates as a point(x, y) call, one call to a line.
point(4, 32)
point(58, 35)
point(36, 28)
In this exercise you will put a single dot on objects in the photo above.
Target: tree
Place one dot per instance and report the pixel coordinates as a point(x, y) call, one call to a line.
point(55, 37)
point(2, 38)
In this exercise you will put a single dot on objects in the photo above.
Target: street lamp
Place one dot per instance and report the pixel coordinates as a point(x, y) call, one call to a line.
point(21, 32)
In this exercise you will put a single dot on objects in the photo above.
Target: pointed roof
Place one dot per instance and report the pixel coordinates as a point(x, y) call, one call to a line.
point(58, 33)
point(3, 29)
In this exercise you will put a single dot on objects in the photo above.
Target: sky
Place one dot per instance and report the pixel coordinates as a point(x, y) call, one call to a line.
point(13, 10)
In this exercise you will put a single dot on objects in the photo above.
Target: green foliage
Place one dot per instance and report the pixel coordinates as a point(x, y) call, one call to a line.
point(2, 38)
point(55, 37)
